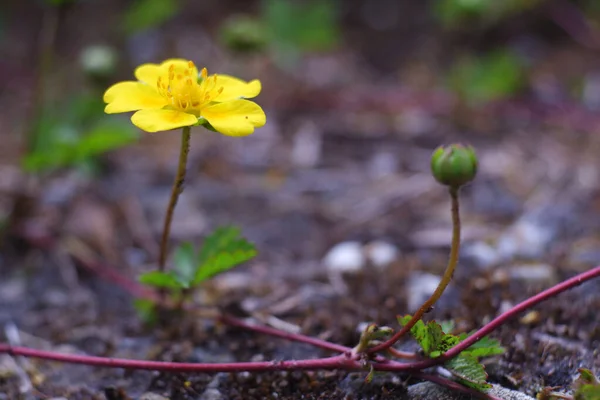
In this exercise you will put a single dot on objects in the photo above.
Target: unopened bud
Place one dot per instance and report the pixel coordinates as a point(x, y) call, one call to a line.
point(454, 165)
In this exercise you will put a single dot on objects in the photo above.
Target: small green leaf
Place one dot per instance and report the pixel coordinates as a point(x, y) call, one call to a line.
point(468, 371)
point(222, 250)
point(185, 264)
point(485, 347)
point(430, 337)
point(160, 279)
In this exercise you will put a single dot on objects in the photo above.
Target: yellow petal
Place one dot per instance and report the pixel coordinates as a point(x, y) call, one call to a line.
point(234, 88)
point(132, 96)
point(162, 120)
point(235, 118)
point(148, 73)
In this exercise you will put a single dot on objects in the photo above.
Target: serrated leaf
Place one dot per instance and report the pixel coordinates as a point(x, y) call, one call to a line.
point(468, 371)
point(485, 347)
point(185, 264)
point(222, 250)
point(430, 337)
point(160, 280)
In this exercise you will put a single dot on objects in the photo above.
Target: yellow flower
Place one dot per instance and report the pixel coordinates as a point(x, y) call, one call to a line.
point(172, 95)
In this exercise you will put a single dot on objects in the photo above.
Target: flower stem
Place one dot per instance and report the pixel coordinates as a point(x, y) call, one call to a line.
point(175, 192)
point(453, 260)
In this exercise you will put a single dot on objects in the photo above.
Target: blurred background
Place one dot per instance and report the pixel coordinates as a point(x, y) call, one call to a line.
point(357, 93)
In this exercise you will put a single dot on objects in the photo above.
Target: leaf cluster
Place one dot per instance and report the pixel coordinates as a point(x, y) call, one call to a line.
point(221, 251)
point(466, 367)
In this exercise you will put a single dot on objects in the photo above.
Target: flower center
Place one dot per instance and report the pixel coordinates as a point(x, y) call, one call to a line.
point(185, 91)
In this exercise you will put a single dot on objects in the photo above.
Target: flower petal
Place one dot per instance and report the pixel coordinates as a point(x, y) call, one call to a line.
point(235, 118)
point(149, 73)
point(132, 96)
point(162, 120)
point(234, 88)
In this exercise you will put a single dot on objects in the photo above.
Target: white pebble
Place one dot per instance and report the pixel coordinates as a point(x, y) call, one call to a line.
point(345, 257)
point(381, 253)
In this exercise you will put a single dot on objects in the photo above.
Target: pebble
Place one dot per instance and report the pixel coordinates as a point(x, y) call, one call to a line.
point(419, 287)
point(152, 396)
point(211, 394)
point(524, 239)
point(346, 257)
point(533, 274)
point(429, 390)
point(307, 146)
point(381, 253)
point(480, 254)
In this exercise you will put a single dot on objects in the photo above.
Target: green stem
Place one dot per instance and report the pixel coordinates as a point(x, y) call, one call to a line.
point(175, 192)
point(448, 274)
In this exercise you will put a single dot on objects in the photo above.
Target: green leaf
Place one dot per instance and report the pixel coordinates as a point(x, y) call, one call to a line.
point(146, 14)
point(586, 386)
point(485, 347)
point(468, 371)
point(185, 264)
point(222, 250)
point(430, 337)
point(588, 392)
point(104, 137)
point(160, 279)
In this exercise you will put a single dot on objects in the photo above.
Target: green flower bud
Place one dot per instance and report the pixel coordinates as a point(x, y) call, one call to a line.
point(454, 165)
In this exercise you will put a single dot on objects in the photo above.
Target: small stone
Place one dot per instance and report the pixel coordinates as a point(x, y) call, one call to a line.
point(211, 394)
point(533, 274)
point(345, 257)
point(381, 253)
point(481, 254)
point(420, 287)
point(429, 390)
point(532, 317)
point(524, 239)
point(307, 146)
point(152, 396)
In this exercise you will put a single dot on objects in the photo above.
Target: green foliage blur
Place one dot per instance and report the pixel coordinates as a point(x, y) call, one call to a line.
point(454, 13)
point(286, 29)
point(490, 77)
point(74, 134)
point(147, 14)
